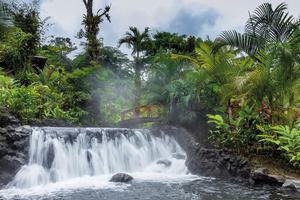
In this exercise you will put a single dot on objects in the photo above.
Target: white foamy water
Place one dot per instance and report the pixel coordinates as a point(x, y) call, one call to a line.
point(66, 158)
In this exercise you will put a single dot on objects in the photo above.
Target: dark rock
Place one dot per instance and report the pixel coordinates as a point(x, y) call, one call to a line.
point(10, 128)
point(261, 176)
point(9, 166)
point(166, 163)
point(21, 145)
point(3, 131)
point(3, 150)
point(179, 156)
point(18, 134)
point(6, 118)
point(121, 177)
point(2, 139)
point(291, 187)
point(88, 156)
point(14, 145)
point(51, 123)
point(219, 163)
point(50, 155)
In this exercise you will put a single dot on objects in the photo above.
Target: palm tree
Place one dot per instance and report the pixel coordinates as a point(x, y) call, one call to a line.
point(265, 25)
point(137, 41)
point(276, 75)
point(5, 19)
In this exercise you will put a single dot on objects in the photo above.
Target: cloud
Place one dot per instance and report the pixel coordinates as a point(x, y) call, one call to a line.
point(66, 15)
point(192, 24)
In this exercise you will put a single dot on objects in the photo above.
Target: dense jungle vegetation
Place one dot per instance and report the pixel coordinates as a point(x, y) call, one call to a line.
point(247, 84)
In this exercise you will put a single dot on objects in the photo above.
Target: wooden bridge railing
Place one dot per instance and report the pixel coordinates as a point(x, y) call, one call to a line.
point(143, 111)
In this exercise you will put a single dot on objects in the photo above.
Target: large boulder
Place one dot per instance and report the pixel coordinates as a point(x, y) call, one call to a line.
point(217, 163)
point(9, 166)
point(121, 178)
point(262, 176)
point(14, 145)
point(220, 163)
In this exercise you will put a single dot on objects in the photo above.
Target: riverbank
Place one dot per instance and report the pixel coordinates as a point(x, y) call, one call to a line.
point(201, 159)
point(275, 165)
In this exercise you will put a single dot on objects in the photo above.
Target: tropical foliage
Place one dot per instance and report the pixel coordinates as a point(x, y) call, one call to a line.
point(246, 85)
point(245, 91)
point(265, 25)
point(138, 42)
point(285, 139)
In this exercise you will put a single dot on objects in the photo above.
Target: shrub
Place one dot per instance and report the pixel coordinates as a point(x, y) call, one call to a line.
point(285, 139)
point(235, 132)
point(35, 101)
point(13, 50)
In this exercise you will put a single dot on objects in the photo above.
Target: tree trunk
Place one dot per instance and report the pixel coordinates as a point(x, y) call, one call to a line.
point(137, 84)
point(91, 31)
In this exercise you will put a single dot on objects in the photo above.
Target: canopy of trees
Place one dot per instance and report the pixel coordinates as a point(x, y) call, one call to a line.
point(247, 85)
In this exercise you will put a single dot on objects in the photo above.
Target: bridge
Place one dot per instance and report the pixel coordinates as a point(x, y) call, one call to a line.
point(140, 115)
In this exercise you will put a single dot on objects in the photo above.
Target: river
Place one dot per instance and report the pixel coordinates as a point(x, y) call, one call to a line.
point(77, 164)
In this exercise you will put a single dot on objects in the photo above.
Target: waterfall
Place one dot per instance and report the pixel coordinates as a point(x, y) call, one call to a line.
point(59, 154)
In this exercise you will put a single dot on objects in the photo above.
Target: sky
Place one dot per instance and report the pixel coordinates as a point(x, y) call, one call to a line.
point(202, 18)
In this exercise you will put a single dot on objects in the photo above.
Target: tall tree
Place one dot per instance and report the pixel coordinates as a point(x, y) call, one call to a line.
point(91, 23)
point(27, 18)
point(56, 52)
point(165, 42)
point(137, 41)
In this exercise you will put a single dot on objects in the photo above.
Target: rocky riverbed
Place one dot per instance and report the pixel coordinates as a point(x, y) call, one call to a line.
point(218, 163)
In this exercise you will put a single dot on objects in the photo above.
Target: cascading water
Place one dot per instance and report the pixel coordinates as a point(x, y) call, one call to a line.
point(77, 164)
point(60, 154)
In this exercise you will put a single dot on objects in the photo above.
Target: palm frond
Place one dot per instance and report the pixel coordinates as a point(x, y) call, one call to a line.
point(265, 25)
point(5, 19)
point(244, 42)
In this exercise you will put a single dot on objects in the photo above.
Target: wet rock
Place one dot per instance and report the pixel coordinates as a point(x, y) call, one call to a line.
point(179, 156)
point(18, 134)
point(6, 118)
point(121, 177)
point(3, 150)
point(88, 156)
point(3, 131)
point(218, 163)
point(292, 185)
point(50, 155)
point(262, 176)
point(166, 163)
point(9, 166)
point(21, 144)
point(14, 145)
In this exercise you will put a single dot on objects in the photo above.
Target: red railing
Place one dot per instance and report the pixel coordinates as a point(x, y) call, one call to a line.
point(143, 111)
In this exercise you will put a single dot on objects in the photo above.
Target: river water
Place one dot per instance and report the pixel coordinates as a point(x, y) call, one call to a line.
point(77, 163)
